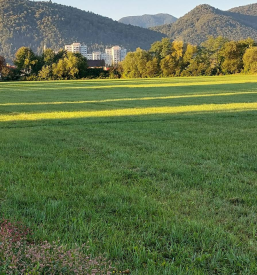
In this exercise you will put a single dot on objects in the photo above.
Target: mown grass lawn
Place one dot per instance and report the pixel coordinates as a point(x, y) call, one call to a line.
point(159, 174)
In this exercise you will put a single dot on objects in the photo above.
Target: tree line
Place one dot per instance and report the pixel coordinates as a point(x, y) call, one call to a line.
point(50, 65)
point(215, 56)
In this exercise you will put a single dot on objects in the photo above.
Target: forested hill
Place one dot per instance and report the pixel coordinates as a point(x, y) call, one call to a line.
point(33, 24)
point(147, 20)
point(248, 10)
point(203, 21)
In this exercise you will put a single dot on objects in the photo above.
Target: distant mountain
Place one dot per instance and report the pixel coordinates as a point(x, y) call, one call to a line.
point(248, 10)
point(204, 20)
point(35, 24)
point(147, 20)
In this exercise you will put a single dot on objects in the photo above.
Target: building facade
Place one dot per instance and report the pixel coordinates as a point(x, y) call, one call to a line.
point(97, 56)
point(77, 48)
point(115, 55)
point(111, 56)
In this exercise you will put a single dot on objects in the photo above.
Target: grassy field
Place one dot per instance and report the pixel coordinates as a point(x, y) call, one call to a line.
point(159, 174)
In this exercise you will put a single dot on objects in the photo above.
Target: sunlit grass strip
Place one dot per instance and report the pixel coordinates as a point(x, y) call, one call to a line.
point(131, 112)
point(125, 99)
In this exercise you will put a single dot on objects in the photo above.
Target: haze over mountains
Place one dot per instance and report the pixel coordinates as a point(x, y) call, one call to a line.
point(147, 20)
point(203, 21)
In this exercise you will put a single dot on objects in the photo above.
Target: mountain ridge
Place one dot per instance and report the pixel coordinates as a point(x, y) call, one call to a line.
point(149, 20)
point(247, 9)
point(35, 24)
point(205, 20)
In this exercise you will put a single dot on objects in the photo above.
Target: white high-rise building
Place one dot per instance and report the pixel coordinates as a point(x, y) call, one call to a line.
point(108, 57)
point(115, 55)
point(77, 48)
point(97, 55)
point(111, 56)
point(89, 56)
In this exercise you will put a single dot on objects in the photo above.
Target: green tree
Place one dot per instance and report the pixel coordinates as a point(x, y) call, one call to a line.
point(129, 64)
point(189, 55)
point(232, 54)
point(2, 63)
point(247, 43)
point(213, 47)
point(250, 60)
point(61, 54)
point(161, 49)
point(152, 68)
point(82, 65)
point(8, 73)
point(142, 58)
point(49, 57)
point(115, 71)
point(135, 64)
point(25, 60)
point(199, 63)
point(68, 67)
point(168, 66)
point(60, 70)
point(178, 50)
point(46, 73)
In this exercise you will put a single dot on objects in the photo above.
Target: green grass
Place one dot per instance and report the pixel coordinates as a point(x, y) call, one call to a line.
point(159, 193)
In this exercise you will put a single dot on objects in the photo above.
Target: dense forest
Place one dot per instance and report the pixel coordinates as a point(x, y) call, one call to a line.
point(203, 21)
point(35, 24)
point(147, 20)
point(216, 56)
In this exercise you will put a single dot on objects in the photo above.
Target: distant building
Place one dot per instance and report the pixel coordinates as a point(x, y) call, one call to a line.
point(89, 56)
point(123, 54)
point(107, 56)
point(97, 56)
point(77, 48)
point(111, 56)
point(115, 55)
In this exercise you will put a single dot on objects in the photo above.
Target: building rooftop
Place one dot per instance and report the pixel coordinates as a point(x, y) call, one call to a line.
point(95, 63)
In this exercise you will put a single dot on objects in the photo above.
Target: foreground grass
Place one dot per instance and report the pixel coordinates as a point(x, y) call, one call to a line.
point(169, 192)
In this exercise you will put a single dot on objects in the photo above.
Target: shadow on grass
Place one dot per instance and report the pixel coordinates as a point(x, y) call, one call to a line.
point(196, 117)
point(134, 99)
point(98, 85)
point(99, 99)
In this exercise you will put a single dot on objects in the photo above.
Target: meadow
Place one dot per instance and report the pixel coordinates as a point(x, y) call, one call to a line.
point(159, 174)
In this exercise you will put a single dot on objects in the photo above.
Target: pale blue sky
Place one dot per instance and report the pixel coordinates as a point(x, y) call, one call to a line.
point(119, 8)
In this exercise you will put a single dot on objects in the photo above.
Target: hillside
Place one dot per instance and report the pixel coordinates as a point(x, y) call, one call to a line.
point(204, 20)
point(33, 24)
point(248, 10)
point(147, 20)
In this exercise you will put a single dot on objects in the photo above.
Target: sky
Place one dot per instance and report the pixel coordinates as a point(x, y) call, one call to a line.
point(117, 9)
